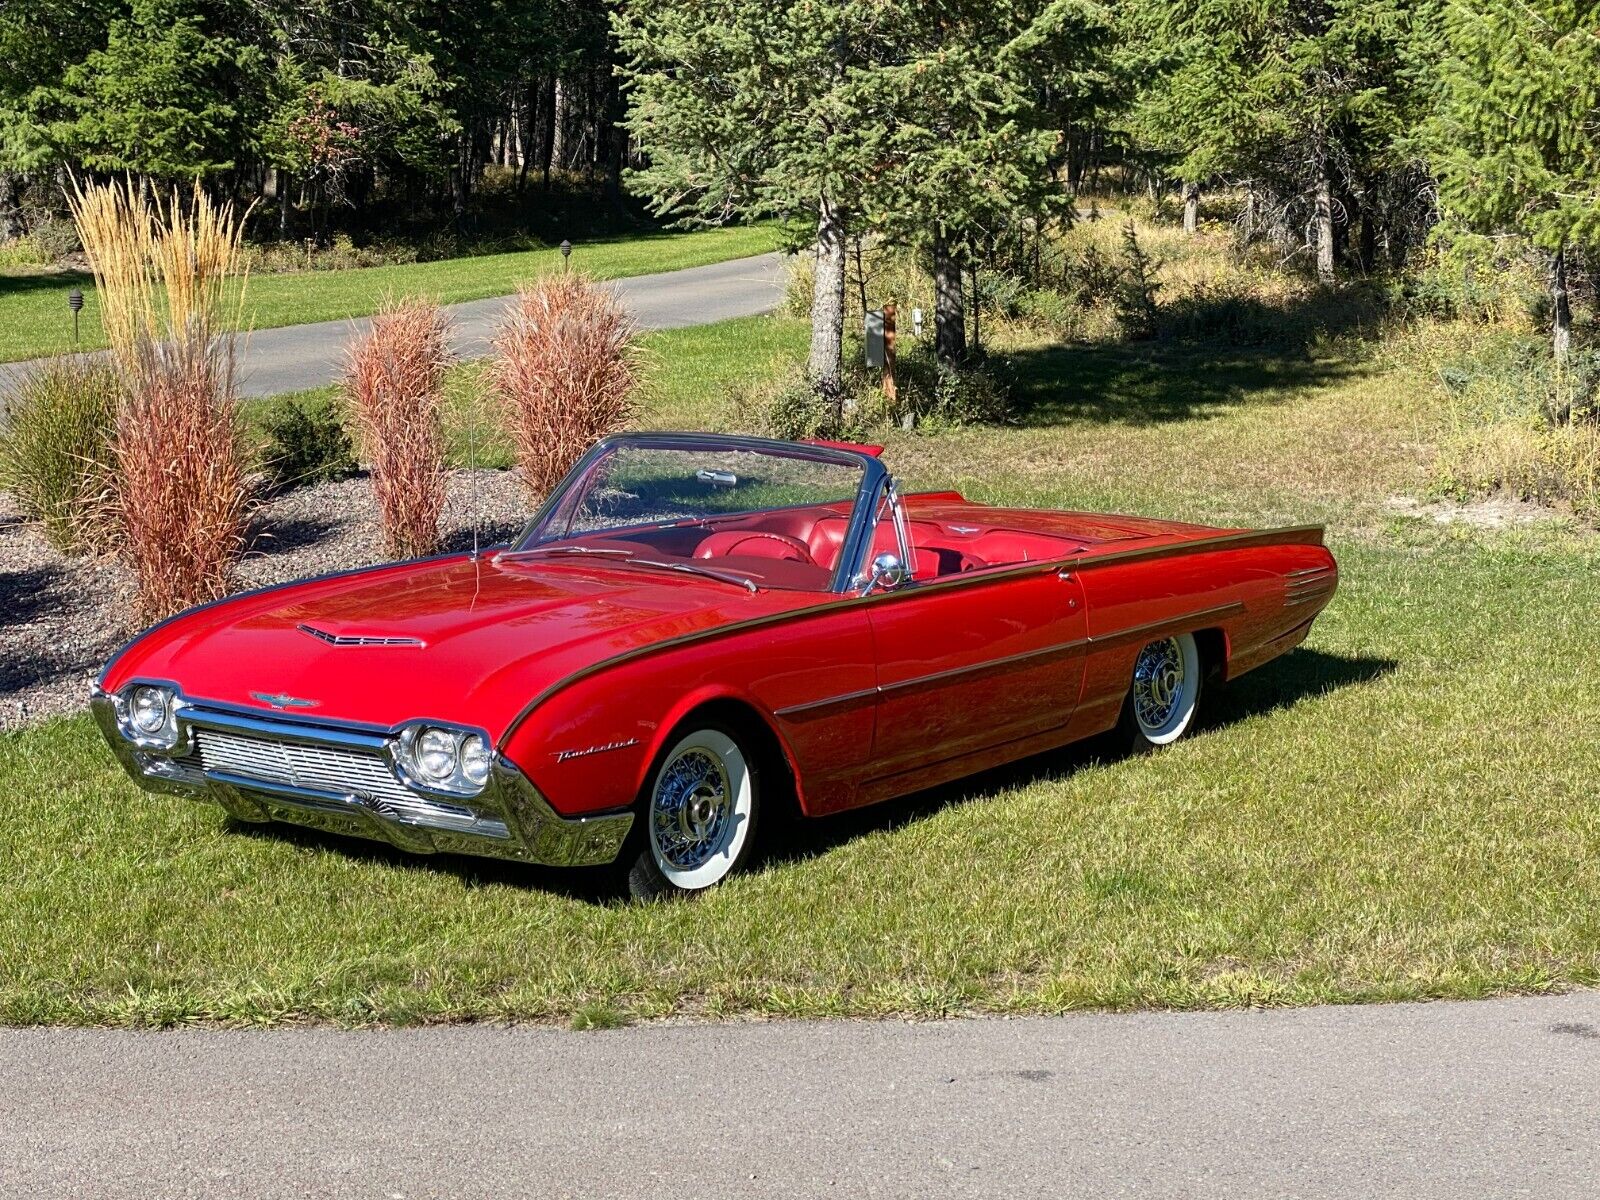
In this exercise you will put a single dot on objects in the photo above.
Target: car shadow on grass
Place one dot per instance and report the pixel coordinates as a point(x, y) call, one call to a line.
point(1281, 684)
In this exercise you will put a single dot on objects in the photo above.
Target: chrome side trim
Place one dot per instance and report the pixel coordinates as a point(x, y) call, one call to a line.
point(511, 818)
point(1151, 630)
point(817, 708)
point(1289, 535)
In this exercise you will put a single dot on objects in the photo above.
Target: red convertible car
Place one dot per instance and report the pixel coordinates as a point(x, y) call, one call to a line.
point(693, 630)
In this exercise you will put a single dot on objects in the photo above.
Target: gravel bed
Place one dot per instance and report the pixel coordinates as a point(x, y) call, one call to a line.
point(61, 618)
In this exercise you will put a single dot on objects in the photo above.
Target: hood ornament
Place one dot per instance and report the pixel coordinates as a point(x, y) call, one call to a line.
point(282, 700)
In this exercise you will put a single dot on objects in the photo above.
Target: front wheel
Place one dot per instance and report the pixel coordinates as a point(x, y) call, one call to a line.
point(699, 815)
point(1163, 694)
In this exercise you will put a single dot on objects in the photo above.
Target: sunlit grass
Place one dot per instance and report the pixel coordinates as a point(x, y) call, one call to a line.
point(1402, 809)
point(35, 319)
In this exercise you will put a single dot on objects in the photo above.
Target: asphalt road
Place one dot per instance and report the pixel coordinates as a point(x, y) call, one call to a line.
point(1494, 1098)
point(305, 356)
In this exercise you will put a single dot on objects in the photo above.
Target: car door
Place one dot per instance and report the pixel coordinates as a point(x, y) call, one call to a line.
point(971, 662)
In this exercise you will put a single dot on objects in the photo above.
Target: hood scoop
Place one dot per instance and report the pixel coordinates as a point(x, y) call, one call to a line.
point(357, 639)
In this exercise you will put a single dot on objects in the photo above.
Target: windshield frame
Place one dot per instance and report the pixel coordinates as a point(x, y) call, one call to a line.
point(857, 534)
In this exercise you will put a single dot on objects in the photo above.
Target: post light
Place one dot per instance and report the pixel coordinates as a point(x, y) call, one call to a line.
point(566, 252)
point(75, 303)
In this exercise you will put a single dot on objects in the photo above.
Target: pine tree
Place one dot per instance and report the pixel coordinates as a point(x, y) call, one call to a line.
point(1516, 132)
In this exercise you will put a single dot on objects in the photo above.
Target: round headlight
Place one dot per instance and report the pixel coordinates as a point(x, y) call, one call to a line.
point(475, 758)
point(436, 754)
point(149, 709)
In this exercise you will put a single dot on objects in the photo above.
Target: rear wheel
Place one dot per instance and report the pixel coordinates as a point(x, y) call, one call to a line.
point(698, 815)
point(1163, 695)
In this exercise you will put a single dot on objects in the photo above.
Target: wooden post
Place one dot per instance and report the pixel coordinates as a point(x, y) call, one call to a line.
point(889, 388)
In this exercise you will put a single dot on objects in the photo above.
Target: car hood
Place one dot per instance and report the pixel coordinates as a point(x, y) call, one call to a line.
point(462, 640)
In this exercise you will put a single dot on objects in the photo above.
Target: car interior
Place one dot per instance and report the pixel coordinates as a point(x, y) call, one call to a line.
point(800, 547)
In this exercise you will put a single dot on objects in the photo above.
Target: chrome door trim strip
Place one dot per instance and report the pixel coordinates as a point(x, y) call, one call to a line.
point(1150, 630)
point(815, 708)
point(1289, 535)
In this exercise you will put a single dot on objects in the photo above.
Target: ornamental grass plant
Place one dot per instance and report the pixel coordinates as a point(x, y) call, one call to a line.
point(564, 374)
point(56, 452)
point(170, 280)
point(394, 386)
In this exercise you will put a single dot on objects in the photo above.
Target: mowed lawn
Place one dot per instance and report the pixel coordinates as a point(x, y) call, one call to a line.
point(1404, 808)
point(35, 319)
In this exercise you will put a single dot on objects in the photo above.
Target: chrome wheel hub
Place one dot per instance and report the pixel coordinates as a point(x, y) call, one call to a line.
point(1158, 683)
point(691, 808)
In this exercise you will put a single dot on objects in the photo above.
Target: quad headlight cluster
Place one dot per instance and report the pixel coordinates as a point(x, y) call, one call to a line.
point(148, 715)
point(444, 759)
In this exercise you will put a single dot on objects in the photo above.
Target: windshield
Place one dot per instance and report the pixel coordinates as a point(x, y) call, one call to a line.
point(750, 513)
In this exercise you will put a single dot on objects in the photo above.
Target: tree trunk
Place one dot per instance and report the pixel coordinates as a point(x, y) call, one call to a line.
point(1251, 218)
point(1561, 307)
point(1322, 224)
point(825, 366)
point(949, 303)
point(10, 226)
point(561, 101)
point(1191, 207)
point(285, 200)
point(547, 149)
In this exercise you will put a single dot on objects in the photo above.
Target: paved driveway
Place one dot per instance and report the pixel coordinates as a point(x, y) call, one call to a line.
point(1494, 1098)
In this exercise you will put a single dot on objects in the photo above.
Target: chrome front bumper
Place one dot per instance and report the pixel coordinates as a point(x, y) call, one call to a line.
point(336, 779)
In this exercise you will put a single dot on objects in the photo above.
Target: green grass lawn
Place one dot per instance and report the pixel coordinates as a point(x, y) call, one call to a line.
point(1404, 808)
point(35, 319)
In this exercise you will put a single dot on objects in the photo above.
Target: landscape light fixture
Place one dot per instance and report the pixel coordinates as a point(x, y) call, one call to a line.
point(75, 303)
point(566, 252)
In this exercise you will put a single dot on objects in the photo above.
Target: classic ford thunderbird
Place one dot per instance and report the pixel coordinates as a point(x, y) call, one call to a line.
point(694, 633)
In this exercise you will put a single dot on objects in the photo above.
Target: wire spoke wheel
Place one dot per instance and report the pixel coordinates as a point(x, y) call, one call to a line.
point(702, 806)
point(1166, 687)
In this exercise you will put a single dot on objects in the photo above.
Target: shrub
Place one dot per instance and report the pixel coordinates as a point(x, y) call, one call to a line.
point(54, 238)
point(56, 454)
point(305, 443)
point(564, 373)
point(394, 384)
point(164, 274)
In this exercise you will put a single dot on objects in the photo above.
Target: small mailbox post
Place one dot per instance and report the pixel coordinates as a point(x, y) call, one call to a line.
point(879, 330)
point(875, 339)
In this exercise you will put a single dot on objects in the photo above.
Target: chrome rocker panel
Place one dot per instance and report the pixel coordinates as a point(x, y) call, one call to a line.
point(508, 819)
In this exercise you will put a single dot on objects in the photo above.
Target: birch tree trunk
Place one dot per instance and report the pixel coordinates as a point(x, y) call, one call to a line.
point(1191, 207)
point(824, 366)
point(1561, 307)
point(1322, 224)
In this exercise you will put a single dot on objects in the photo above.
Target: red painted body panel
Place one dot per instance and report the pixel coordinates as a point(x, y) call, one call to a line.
point(1023, 640)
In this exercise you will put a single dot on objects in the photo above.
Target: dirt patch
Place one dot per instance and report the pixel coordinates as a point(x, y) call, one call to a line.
point(1496, 512)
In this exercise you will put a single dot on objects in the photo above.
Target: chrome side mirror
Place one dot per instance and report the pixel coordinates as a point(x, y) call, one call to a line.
point(886, 574)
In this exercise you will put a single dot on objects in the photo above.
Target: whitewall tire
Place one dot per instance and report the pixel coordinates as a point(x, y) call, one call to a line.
point(699, 814)
point(1164, 693)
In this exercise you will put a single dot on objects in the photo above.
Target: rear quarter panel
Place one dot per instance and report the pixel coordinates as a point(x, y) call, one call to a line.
point(1240, 593)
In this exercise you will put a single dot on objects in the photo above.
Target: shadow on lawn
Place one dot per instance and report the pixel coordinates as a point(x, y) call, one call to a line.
point(1303, 675)
point(11, 285)
point(1280, 684)
point(1212, 353)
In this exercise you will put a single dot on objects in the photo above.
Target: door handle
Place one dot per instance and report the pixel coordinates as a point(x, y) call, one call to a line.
point(1064, 575)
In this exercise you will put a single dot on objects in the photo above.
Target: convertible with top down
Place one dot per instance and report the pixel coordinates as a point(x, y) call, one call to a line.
point(693, 631)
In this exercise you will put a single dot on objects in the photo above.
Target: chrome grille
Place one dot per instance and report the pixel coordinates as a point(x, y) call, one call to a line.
point(332, 769)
